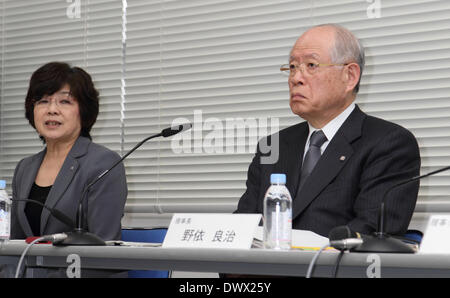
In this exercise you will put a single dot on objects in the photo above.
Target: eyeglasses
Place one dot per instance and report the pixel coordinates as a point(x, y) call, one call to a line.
point(305, 67)
point(61, 99)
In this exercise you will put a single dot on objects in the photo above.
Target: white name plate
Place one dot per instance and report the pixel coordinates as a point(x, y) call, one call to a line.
point(436, 238)
point(211, 230)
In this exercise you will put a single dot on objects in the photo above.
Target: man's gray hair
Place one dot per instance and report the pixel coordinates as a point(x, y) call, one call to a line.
point(347, 48)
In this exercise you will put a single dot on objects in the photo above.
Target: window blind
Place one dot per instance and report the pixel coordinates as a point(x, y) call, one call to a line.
point(220, 60)
point(82, 33)
point(216, 64)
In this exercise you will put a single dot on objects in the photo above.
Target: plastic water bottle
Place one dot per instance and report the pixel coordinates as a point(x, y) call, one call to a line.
point(277, 214)
point(5, 212)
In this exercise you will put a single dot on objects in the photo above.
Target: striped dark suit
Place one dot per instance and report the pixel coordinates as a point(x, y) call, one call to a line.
point(366, 156)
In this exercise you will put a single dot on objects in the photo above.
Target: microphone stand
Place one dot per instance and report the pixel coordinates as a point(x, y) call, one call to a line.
point(382, 242)
point(79, 236)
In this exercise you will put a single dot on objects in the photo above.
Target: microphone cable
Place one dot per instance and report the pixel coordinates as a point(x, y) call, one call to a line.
point(314, 259)
point(50, 238)
point(341, 245)
point(338, 261)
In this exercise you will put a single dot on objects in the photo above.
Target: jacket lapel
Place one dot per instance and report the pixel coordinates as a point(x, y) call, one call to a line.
point(28, 178)
point(291, 156)
point(64, 178)
point(334, 158)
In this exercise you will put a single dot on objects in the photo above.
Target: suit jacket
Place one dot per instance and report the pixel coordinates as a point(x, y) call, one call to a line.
point(365, 157)
point(103, 207)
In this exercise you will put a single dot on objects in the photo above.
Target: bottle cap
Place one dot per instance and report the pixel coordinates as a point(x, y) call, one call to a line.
point(2, 184)
point(278, 178)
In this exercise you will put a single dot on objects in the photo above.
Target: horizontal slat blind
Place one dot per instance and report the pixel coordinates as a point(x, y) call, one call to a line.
point(220, 59)
point(205, 62)
point(37, 32)
point(216, 64)
point(103, 57)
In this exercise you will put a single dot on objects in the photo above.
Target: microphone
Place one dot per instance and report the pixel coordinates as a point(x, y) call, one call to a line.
point(55, 237)
point(170, 131)
point(343, 238)
point(382, 242)
point(346, 244)
point(53, 211)
point(79, 236)
point(342, 232)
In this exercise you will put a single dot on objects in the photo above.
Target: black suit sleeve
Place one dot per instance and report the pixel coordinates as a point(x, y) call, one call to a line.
point(248, 202)
point(394, 159)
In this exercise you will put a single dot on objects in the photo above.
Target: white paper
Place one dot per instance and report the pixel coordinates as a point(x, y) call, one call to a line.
point(300, 238)
point(436, 238)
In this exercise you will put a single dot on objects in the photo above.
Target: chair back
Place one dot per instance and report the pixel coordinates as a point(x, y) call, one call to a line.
point(145, 235)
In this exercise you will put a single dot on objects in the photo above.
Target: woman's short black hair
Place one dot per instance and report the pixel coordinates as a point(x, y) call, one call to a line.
point(50, 78)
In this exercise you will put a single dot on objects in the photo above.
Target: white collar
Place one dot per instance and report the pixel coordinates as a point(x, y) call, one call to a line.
point(333, 126)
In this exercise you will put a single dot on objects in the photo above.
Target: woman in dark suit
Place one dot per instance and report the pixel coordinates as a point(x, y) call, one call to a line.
point(62, 105)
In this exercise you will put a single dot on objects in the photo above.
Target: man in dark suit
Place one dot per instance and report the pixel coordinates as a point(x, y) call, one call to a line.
point(340, 162)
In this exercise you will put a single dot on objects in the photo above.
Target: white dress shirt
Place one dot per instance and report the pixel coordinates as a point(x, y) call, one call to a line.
point(330, 129)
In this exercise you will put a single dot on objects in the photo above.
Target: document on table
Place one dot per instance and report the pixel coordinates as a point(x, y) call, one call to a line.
point(301, 239)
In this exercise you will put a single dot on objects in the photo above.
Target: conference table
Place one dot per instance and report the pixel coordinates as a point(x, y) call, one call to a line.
point(255, 261)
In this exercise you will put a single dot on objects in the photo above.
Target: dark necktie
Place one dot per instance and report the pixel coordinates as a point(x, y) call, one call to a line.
point(312, 156)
